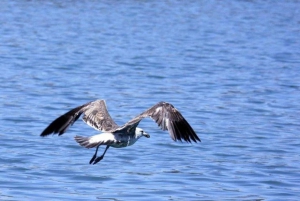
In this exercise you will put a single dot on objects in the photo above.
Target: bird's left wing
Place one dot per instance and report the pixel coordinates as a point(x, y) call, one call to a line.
point(98, 117)
point(95, 115)
point(168, 118)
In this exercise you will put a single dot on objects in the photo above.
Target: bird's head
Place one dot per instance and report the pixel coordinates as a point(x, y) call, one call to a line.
point(140, 132)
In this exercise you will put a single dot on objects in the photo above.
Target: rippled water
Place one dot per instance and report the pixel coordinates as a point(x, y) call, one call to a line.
point(230, 67)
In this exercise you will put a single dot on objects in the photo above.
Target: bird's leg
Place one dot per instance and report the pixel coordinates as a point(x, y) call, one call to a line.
point(93, 158)
point(102, 156)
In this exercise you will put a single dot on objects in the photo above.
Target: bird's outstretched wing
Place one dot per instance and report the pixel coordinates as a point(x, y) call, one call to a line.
point(168, 118)
point(95, 115)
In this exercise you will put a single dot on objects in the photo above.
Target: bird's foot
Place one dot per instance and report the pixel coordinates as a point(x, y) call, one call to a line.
point(92, 159)
point(98, 159)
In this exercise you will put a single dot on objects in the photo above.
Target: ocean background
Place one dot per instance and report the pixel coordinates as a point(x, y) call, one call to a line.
point(232, 68)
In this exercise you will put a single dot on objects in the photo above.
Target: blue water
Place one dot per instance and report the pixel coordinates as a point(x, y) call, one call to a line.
point(231, 67)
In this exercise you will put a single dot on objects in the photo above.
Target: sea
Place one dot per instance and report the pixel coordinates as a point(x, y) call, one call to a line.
point(232, 68)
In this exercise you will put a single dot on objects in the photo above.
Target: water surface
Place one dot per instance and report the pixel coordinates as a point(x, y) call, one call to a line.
point(230, 67)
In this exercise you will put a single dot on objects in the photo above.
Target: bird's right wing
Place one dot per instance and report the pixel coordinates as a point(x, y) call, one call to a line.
point(167, 118)
point(95, 115)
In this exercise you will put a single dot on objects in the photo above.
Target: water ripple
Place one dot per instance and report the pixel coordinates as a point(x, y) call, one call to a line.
point(231, 68)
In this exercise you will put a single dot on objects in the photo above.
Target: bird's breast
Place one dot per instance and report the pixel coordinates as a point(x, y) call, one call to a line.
point(123, 140)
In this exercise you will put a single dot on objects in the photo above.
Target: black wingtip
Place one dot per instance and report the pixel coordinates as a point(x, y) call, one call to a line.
point(46, 132)
point(183, 131)
point(62, 123)
point(58, 126)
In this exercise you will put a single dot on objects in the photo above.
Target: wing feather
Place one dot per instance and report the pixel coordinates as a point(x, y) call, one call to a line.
point(98, 117)
point(95, 115)
point(62, 123)
point(168, 118)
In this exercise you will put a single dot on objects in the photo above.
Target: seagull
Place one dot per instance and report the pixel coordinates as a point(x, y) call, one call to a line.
point(95, 114)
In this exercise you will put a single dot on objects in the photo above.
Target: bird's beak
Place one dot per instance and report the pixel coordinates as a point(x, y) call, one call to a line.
point(146, 135)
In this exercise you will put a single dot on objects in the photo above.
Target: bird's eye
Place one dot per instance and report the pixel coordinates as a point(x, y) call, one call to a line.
point(142, 132)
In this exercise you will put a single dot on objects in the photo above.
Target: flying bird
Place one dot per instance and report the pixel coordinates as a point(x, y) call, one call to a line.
point(95, 114)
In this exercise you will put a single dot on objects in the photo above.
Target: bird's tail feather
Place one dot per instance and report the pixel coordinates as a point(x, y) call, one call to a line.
point(85, 141)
